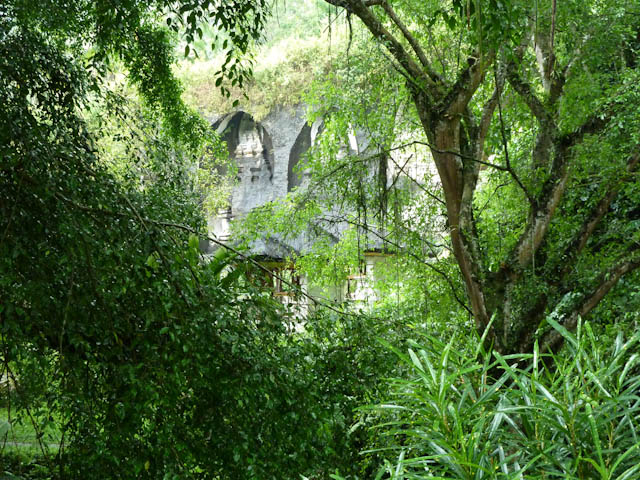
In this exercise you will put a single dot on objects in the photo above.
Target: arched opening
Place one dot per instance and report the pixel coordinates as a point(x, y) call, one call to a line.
point(300, 147)
point(251, 149)
point(305, 139)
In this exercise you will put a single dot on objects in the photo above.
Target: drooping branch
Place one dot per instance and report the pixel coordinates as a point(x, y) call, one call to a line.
point(378, 30)
point(135, 215)
point(607, 280)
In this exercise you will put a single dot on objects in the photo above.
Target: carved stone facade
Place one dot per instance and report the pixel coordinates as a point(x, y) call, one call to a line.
point(267, 155)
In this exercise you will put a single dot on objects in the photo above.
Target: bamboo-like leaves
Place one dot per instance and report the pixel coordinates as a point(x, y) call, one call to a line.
point(479, 415)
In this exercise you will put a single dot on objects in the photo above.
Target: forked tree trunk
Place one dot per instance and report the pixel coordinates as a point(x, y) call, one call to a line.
point(443, 107)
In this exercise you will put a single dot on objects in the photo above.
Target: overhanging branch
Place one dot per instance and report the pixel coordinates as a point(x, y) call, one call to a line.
point(377, 29)
point(607, 280)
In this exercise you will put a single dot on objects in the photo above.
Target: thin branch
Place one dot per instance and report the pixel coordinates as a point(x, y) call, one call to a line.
point(401, 168)
point(438, 52)
point(607, 280)
point(412, 41)
point(411, 254)
point(425, 190)
point(506, 155)
point(451, 152)
point(495, 190)
point(361, 10)
point(398, 68)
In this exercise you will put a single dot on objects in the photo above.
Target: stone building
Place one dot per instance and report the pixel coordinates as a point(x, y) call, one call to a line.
point(266, 154)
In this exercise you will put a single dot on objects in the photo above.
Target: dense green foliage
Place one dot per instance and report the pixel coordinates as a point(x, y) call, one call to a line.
point(125, 353)
point(464, 414)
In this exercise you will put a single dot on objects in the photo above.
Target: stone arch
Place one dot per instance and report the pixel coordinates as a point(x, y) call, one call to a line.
point(251, 148)
point(304, 141)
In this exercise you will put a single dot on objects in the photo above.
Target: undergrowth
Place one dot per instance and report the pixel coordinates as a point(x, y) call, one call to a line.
point(479, 415)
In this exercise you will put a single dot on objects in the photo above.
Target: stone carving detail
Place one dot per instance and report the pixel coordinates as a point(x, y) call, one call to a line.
point(267, 155)
point(251, 147)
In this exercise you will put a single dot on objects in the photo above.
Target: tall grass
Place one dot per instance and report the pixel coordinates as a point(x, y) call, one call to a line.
point(476, 415)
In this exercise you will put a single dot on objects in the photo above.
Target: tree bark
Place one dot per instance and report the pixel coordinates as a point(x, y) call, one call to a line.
point(457, 140)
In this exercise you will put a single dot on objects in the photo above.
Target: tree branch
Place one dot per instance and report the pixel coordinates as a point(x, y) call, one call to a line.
point(506, 157)
point(526, 93)
point(188, 229)
point(487, 113)
point(459, 95)
point(553, 340)
point(549, 199)
point(419, 185)
point(591, 222)
point(361, 10)
point(414, 44)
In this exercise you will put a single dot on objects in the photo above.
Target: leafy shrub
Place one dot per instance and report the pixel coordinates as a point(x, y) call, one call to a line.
point(471, 415)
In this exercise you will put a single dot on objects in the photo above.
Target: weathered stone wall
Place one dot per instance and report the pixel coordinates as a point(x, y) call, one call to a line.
point(265, 154)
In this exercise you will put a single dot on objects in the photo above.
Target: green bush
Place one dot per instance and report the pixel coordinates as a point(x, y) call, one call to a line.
point(475, 415)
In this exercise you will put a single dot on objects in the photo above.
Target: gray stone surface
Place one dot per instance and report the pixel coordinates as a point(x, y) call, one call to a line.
point(266, 154)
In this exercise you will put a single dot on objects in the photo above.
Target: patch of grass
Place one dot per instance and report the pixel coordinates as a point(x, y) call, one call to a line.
point(17, 432)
